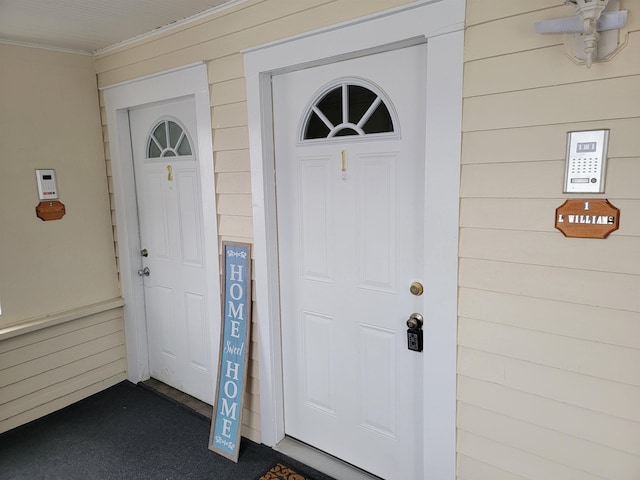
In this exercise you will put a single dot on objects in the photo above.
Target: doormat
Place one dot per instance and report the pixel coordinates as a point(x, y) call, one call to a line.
point(282, 472)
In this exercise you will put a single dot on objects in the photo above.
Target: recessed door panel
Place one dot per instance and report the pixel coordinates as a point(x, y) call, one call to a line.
point(377, 219)
point(315, 216)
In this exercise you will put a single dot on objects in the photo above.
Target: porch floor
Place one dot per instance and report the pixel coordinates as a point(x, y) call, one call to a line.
point(131, 432)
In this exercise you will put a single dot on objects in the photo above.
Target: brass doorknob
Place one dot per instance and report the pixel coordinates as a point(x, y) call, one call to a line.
point(416, 289)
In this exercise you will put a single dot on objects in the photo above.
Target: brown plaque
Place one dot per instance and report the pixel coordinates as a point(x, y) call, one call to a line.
point(587, 218)
point(50, 210)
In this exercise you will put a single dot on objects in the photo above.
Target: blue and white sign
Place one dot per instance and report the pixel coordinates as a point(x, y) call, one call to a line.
point(232, 370)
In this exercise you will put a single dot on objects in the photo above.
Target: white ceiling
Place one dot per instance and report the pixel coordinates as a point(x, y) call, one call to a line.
point(91, 25)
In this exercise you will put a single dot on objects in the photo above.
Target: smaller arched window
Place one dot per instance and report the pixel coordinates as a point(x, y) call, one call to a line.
point(168, 139)
point(348, 108)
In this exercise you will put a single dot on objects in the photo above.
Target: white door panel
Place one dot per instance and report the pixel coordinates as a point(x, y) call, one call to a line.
point(350, 229)
point(171, 230)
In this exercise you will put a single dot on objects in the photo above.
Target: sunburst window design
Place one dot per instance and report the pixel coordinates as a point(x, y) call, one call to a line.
point(168, 139)
point(348, 109)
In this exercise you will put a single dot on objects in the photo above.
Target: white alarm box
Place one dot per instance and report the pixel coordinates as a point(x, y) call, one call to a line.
point(586, 161)
point(47, 186)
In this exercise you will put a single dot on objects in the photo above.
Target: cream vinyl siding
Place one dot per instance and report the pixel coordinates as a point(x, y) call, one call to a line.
point(61, 328)
point(549, 327)
point(218, 40)
point(50, 119)
point(53, 364)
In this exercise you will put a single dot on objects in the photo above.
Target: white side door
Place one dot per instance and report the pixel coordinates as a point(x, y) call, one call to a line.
point(171, 233)
point(350, 232)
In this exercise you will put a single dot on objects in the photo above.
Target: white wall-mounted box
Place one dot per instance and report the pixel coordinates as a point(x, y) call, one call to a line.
point(47, 185)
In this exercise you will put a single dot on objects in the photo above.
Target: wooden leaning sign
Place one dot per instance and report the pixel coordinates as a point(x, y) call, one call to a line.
point(234, 350)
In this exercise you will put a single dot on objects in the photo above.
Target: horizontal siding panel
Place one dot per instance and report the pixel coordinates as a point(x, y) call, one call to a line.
point(59, 342)
point(252, 402)
point(581, 423)
point(61, 358)
point(36, 336)
point(585, 287)
point(28, 385)
point(232, 161)
point(233, 182)
point(235, 227)
point(489, 39)
point(472, 469)
point(253, 385)
point(480, 12)
point(518, 462)
point(231, 91)
point(537, 215)
point(59, 396)
point(542, 68)
point(616, 98)
point(251, 419)
point(542, 179)
point(622, 177)
point(513, 180)
point(234, 138)
point(506, 145)
point(604, 396)
point(615, 327)
point(232, 115)
point(616, 254)
point(596, 359)
point(578, 454)
point(225, 68)
point(251, 434)
point(237, 204)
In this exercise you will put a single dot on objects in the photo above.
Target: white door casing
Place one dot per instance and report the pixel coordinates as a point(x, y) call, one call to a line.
point(170, 216)
point(350, 223)
point(441, 24)
point(188, 81)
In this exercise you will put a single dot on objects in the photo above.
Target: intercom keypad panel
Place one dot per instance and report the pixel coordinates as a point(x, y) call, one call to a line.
point(586, 161)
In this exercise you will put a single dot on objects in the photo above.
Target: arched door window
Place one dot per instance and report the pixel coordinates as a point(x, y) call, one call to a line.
point(168, 139)
point(349, 107)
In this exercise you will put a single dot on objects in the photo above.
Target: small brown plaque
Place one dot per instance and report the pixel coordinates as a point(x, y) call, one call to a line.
point(587, 218)
point(50, 210)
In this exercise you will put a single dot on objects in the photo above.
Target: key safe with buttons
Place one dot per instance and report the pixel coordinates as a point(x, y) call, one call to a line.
point(415, 337)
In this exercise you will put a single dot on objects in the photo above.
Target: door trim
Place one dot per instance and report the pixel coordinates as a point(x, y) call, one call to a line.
point(441, 25)
point(187, 81)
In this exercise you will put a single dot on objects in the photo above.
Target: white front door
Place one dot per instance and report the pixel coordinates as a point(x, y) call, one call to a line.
point(167, 181)
point(349, 149)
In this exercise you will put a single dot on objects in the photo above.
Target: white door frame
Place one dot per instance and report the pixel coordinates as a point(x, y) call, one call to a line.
point(441, 24)
point(187, 81)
